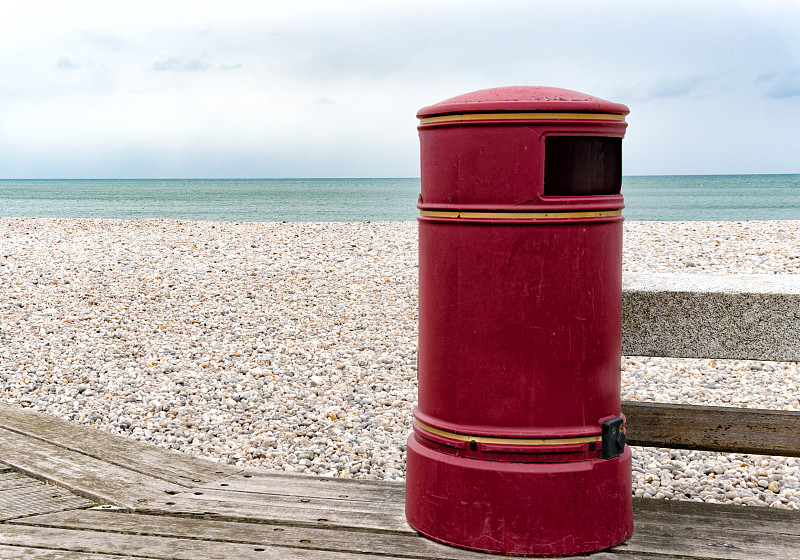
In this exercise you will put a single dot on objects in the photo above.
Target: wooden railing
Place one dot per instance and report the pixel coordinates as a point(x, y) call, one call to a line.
point(748, 317)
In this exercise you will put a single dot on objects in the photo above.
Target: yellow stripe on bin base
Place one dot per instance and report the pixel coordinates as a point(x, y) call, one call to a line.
point(532, 116)
point(508, 441)
point(518, 215)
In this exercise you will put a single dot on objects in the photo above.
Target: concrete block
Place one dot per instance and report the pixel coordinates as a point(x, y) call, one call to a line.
point(740, 316)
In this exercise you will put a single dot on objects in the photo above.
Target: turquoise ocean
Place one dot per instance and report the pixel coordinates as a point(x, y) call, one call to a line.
point(663, 197)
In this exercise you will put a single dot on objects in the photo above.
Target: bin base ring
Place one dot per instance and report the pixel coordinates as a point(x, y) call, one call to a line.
point(525, 509)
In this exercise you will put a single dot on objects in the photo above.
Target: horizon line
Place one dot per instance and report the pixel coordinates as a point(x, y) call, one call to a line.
point(320, 178)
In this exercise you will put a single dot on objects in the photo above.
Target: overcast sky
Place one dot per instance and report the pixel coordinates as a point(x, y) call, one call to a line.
point(331, 88)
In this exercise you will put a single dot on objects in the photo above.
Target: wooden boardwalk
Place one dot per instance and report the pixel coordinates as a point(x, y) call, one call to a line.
point(72, 492)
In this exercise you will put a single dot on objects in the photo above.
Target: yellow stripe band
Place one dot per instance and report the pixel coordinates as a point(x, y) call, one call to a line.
point(519, 215)
point(508, 441)
point(523, 116)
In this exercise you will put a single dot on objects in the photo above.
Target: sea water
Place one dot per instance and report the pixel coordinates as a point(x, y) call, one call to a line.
point(674, 197)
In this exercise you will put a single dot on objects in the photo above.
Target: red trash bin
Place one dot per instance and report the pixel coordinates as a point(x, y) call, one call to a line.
point(518, 444)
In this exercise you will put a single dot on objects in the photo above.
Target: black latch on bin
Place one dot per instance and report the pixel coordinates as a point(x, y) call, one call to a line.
point(613, 437)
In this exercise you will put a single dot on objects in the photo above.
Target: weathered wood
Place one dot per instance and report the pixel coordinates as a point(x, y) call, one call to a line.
point(677, 529)
point(86, 476)
point(22, 496)
point(722, 429)
point(752, 533)
point(11, 480)
point(717, 516)
point(154, 461)
point(27, 553)
point(355, 541)
point(741, 316)
point(715, 530)
point(263, 482)
point(705, 542)
point(35, 500)
point(296, 510)
point(158, 547)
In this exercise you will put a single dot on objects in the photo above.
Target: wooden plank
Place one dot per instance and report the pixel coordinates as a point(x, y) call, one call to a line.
point(677, 529)
point(154, 461)
point(28, 553)
point(36, 497)
point(86, 476)
point(10, 480)
point(708, 542)
point(411, 545)
point(158, 547)
point(741, 316)
point(718, 516)
point(310, 512)
point(714, 530)
point(362, 542)
point(751, 534)
point(709, 428)
point(266, 482)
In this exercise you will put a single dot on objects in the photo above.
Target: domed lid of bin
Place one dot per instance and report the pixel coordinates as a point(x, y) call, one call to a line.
point(523, 98)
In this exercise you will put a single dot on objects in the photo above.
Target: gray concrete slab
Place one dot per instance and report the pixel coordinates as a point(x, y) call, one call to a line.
point(741, 316)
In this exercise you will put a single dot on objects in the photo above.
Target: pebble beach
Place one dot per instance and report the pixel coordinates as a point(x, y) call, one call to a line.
point(292, 346)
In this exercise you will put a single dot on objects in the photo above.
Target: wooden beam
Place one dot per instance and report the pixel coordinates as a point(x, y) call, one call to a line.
point(86, 476)
point(353, 541)
point(663, 529)
point(29, 553)
point(126, 453)
point(22, 496)
point(711, 428)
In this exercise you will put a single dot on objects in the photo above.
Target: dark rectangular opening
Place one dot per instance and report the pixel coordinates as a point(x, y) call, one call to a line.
point(582, 165)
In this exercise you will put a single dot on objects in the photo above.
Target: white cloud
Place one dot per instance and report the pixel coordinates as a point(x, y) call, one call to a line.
point(65, 63)
point(331, 88)
point(173, 64)
point(781, 85)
